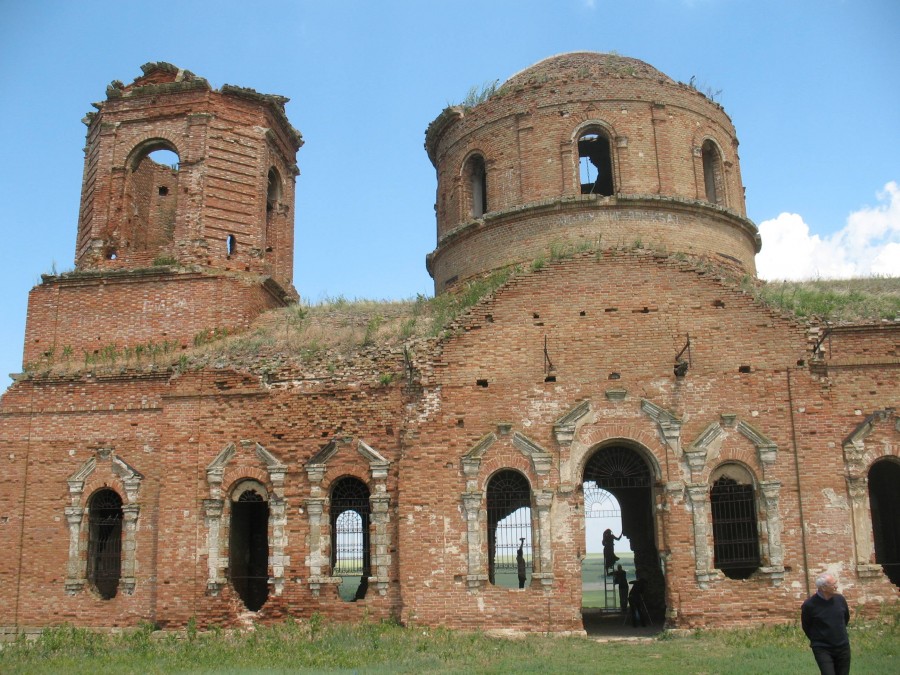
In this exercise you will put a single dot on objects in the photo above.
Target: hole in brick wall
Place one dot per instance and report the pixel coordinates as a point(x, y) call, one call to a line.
point(231, 245)
point(643, 310)
point(460, 422)
point(611, 309)
point(550, 378)
point(718, 303)
point(582, 313)
point(489, 318)
point(389, 430)
point(481, 383)
point(325, 434)
point(535, 315)
point(111, 254)
point(744, 369)
point(163, 191)
point(801, 362)
point(614, 376)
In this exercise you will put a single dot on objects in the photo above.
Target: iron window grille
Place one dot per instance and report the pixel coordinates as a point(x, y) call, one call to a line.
point(736, 541)
point(509, 523)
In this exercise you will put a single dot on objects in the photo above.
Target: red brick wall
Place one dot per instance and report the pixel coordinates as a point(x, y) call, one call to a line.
point(92, 312)
point(527, 134)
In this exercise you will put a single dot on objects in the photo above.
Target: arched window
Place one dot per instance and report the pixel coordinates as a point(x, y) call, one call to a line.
point(713, 177)
point(151, 198)
point(248, 544)
point(735, 534)
point(884, 503)
point(104, 563)
point(350, 554)
point(509, 528)
point(476, 174)
point(273, 199)
point(595, 163)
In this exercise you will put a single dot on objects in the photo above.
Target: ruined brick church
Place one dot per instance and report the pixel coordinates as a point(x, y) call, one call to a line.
point(746, 452)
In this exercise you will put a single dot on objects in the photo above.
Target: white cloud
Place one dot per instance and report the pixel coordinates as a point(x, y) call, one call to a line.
point(869, 244)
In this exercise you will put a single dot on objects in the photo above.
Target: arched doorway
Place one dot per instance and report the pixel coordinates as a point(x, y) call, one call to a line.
point(625, 474)
point(248, 544)
point(884, 503)
point(601, 513)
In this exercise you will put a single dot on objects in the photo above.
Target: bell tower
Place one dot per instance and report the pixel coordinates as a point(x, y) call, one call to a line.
point(186, 218)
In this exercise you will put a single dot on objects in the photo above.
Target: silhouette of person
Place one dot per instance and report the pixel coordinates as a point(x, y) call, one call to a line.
point(609, 551)
point(520, 563)
point(620, 579)
point(636, 602)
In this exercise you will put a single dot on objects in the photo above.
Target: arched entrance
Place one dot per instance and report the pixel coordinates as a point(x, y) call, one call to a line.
point(625, 474)
point(249, 544)
point(884, 503)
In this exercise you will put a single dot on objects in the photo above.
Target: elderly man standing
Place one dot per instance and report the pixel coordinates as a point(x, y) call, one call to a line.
point(824, 617)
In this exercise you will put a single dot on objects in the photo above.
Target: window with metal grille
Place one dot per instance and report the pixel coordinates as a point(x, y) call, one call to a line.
point(736, 541)
point(350, 556)
point(509, 527)
point(104, 563)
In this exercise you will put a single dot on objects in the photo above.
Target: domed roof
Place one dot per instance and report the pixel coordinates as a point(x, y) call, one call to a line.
point(585, 65)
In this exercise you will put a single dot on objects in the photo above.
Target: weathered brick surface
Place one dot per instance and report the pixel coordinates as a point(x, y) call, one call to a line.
point(174, 442)
point(528, 133)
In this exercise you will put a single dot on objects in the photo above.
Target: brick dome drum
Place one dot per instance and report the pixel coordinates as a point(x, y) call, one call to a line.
point(586, 151)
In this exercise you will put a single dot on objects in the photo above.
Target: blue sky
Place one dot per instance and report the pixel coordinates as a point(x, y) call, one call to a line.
point(813, 87)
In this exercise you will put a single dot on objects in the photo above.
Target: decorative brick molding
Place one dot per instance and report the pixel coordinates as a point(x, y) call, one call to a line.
point(76, 513)
point(318, 559)
point(214, 511)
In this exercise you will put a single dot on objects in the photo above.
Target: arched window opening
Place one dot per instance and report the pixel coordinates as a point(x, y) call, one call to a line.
point(477, 176)
point(884, 503)
point(350, 539)
point(595, 164)
point(273, 199)
point(248, 544)
point(230, 245)
point(713, 177)
point(151, 198)
point(104, 563)
point(735, 535)
point(509, 530)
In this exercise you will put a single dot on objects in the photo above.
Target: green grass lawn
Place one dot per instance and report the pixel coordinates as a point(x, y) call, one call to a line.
point(317, 647)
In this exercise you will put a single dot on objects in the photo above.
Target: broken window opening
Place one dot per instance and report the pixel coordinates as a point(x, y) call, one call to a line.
point(248, 544)
point(595, 164)
point(477, 174)
point(884, 504)
point(712, 173)
point(231, 245)
point(104, 563)
point(509, 529)
point(350, 538)
point(151, 200)
point(735, 535)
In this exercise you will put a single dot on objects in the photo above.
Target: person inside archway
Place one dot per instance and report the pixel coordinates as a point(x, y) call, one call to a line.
point(609, 550)
point(620, 579)
point(637, 604)
point(520, 563)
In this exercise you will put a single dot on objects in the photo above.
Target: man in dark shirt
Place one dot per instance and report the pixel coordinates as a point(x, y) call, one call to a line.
point(824, 617)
